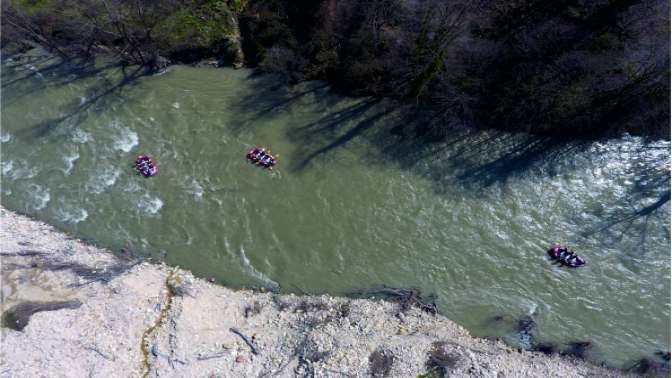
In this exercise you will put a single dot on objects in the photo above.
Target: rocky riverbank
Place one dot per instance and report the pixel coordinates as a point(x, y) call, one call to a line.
point(74, 310)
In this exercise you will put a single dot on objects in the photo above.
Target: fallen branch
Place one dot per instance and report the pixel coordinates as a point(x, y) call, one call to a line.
point(211, 356)
point(104, 355)
point(156, 353)
point(245, 339)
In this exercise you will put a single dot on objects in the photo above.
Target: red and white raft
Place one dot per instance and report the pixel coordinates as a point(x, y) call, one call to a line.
point(146, 166)
point(262, 157)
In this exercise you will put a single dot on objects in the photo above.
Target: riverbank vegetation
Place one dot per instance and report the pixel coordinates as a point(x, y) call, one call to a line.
point(564, 68)
point(149, 33)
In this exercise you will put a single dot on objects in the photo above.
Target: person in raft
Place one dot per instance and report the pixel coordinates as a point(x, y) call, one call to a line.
point(145, 165)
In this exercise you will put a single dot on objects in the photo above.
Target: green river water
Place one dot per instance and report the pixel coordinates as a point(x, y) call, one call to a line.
point(352, 204)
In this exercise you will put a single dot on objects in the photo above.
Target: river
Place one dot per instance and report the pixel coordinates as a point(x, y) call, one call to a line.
point(353, 204)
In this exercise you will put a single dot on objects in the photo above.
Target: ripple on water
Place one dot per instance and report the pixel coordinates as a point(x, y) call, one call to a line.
point(70, 160)
point(35, 70)
point(149, 204)
point(104, 178)
point(254, 272)
point(7, 166)
point(196, 189)
point(162, 72)
point(132, 186)
point(40, 196)
point(125, 138)
point(72, 215)
point(80, 136)
point(18, 169)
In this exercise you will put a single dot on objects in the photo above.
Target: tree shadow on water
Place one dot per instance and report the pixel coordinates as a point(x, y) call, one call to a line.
point(506, 156)
point(334, 130)
point(427, 144)
point(98, 98)
point(270, 94)
point(447, 153)
point(478, 160)
point(632, 215)
point(54, 66)
point(57, 73)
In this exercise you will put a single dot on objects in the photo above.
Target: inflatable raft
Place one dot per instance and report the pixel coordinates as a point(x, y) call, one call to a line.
point(262, 157)
point(566, 257)
point(146, 166)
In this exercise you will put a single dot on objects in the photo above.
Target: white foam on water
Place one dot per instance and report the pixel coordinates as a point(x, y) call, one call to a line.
point(105, 178)
point(227, 248)
point(80, 136)
point(74, 215)
point(254, 272)
point(150, 204)
point(25, 173)
point(34, 69)
point(176, 105)
point(197, 189)
point(7, 166)
point(18, 170)
point(70, 161)
point(126, 140)
point(82, 100)
point(5, 137)
point(532, 309)
point(132, 187)
point(40, 196)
